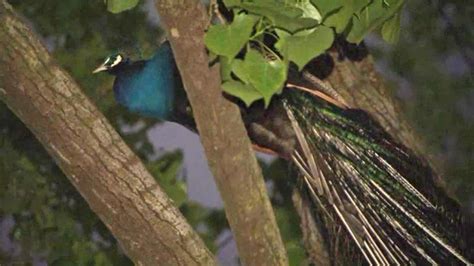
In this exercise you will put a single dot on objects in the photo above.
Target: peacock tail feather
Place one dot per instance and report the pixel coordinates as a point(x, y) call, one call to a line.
point(376, 189)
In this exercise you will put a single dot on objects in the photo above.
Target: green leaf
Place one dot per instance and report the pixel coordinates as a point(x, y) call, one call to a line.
point(309, 10)
point(228, 40)
point(117, 6)
point(267, 77)
point(165, 172)
point(239, 69)
point(296, 253)
point(232, 3)
point(26, 164)
point(177, 192)
point(260, 78)
point(212, 56)
point(372, 17)
point(339, 20)
point(269, 7)
point(226, 68)
point(339, 13)
point(305, 45)
point(391, 28)
point(327, 6)
point(101, 259)
point(245, 92)
point(359, 4)
point(286, 17)
point(365, 21)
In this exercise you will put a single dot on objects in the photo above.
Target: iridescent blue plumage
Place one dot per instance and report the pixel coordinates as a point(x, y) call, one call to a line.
point(147, 87)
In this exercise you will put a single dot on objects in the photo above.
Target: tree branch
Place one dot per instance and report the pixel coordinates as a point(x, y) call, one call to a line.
point(105, 171)
point(223, 135)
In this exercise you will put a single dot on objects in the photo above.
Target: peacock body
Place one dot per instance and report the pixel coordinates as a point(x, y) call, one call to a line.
point(359, 177)
point(147, 87)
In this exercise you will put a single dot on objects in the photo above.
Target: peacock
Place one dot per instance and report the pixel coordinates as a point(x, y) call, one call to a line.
point(356, 174)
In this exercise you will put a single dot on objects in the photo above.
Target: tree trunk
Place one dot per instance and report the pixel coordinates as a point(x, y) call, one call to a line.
point(223, 135)
point(90, 152)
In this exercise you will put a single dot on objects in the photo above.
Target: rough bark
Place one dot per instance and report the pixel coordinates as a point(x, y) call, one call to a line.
point(108, 175)
point(223, 135)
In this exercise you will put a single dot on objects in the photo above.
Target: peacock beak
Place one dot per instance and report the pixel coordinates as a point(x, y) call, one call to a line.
point(99, 69)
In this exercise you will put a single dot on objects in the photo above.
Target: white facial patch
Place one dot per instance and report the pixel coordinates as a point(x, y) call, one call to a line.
point(117, 60)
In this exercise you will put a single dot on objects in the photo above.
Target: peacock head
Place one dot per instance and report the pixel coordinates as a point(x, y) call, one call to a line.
point(110, 63)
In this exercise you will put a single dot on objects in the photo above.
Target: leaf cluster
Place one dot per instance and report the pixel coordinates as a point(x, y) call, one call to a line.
point(302, 30)
point(252, 69)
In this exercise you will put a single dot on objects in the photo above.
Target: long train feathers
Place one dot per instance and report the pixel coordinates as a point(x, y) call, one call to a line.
point(361, 177)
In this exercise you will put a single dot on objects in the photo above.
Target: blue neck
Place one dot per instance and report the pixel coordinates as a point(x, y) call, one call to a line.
point(148, 87)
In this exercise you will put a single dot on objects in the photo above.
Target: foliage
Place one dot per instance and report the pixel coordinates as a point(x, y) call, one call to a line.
point(117, 6)
point(302, 30)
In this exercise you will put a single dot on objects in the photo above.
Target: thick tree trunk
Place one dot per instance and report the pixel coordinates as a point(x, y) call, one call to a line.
point(223, 135)
point(90, 152)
